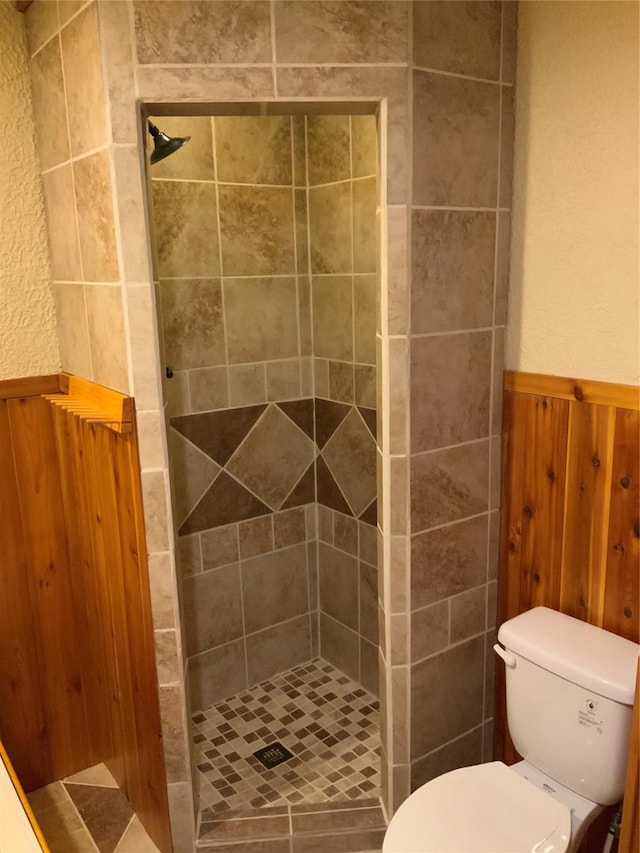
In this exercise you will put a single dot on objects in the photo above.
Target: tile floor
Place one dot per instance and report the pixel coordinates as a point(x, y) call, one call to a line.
point(328, 722)
point(88, 813)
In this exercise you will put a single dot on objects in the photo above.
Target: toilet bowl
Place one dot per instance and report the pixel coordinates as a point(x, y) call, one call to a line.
point(490, 808)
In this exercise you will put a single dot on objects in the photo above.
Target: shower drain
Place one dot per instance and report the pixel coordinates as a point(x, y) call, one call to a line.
point(272, 755)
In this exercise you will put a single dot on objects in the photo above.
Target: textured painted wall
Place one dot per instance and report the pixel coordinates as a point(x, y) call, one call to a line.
point(574, 263)
point(28, 342)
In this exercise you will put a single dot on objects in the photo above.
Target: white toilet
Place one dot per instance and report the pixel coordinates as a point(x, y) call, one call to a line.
point(570, 691)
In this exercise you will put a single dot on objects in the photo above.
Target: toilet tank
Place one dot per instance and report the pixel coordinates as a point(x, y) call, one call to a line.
point(569, 700)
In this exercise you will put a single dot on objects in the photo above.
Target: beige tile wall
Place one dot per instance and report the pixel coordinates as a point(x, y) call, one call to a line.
point(325, 51)
point(240, 325)
point(462, 159)
point(231, 237)
point(77, 162)
point(348, 595)
point(343, 164)
point(231, 255)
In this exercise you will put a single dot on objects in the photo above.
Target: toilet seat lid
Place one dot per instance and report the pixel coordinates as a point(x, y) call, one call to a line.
point(482, 809)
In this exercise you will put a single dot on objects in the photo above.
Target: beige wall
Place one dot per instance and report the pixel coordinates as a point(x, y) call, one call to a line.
point(574, 265)
point(28, 343)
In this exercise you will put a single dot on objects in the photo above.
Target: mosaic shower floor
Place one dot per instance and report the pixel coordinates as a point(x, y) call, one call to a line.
point(329, 723)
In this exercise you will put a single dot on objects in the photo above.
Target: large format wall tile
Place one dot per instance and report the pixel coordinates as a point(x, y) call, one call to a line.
point(261, 319)
point(216, 675)
point(327, 31)
point(197, 31)
point(364, 146)
point(330, 227)
point(49, 106)
point(339, 645)
point(329, 149)
point(184, 83)
point(365, 289)
point(84, 82)
point(274, 587)
point(452, 270)
point(194, 161)
point(450, 389)
point(106, 333)
point(256, 230)
point(41, 22)
point(338, 582)
point(455, 159)
point(73, 331)
point(332, 298)
point(462, 752)
point(506, 145)
point(206, 623)
point(186, 234)
point(62, 228)
point(94, 201)
point(450, 484)
point(254, 149)
point(192, 323)
point(365, 198)
point(278, 648)
point(461, 37)
point(448, 561)
point(446, 696)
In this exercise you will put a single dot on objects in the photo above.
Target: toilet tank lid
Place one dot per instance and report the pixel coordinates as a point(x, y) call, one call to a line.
point(582, 653)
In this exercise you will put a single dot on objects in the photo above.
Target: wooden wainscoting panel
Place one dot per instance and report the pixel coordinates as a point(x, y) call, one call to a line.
point(570, 533)
point(46, 549)
point(78, 682)
point(587, 496)
point(622, 582)
point(22, 718)
point(532, 515)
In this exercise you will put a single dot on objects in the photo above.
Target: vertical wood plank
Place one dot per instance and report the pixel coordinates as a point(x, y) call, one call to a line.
point(544, 424)
point(106, 535)
point(46, 549)
point(510, 559)
point(622, 588)
point(513, 444)
point(88, 613)
point(22, 719)
point(152, 805)
point(587, 498)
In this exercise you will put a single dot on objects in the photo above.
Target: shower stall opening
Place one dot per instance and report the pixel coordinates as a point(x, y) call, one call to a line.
point(267, 279)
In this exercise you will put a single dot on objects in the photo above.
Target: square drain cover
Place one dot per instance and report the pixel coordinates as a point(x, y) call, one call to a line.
point(273, 755)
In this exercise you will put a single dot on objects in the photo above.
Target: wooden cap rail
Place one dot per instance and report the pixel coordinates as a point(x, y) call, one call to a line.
point(581, 390)
point(89, 401)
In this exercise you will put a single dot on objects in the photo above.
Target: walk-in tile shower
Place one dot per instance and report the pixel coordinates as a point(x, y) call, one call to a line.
point(265, 233)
